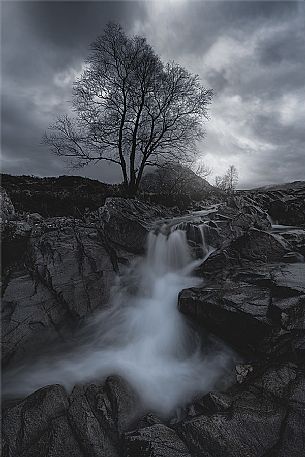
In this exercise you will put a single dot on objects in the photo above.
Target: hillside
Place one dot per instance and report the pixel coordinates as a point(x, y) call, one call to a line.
point(56, 196)
point(175, 179)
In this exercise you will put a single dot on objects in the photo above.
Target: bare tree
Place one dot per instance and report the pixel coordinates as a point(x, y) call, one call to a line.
point(228, 181)
point(131, 109)
point(220, 183)
point(231, 178)
point(202, 169)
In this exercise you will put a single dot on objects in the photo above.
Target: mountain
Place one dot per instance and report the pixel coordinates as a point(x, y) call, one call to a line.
point(174, 179)
point(294, 186)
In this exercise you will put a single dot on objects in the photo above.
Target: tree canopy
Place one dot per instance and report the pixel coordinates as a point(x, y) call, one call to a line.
point(131, 109)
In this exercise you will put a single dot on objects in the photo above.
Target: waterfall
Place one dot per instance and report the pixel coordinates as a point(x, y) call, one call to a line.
point(205, 247)
point(141, 336)
point(168, 253)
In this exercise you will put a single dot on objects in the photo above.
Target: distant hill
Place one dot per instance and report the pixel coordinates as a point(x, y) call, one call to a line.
point(175, 179)
point(72, 195)
point(294, 186)
point(56, 196)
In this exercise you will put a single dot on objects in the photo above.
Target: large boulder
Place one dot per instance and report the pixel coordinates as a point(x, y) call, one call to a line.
point(296, 239)
point(155, 441)
point(28, 426)
point(254, 246)
point(236, 312)
point(263, 416)
point(126, 223)
point(67, 274)
point(285, 203)
point(258, 311)
point(89, 422)
point(6, 206)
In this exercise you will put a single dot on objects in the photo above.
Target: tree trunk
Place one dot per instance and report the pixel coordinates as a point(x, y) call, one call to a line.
point(131, 189)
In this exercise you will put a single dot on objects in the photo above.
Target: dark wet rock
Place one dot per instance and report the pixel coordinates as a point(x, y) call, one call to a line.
point(255, 246)
point(239, 215)
point(237, 312)
point(116, 404)
point(256, 311)
point(248, 431)
point(29, 421)
point(93, 439)
point(242, 372)
point(285, 279)
point(259, 418)
point(89, 422)
point(290, 312)
point(293, 257)
point(148, 420)
point(6, 206)
point(75, 265)
point(204, 233)
point(285, 203)
point(296, 238)
point(17, 229)
point(155, 441)
point(275, 381)
point(292, 441)
point(217, 226)
point(100, 414)
point(126, 223)
point(67, 274)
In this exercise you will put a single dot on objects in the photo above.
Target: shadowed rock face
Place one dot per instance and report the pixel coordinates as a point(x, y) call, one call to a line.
point(253, 246)
point(264, 416)
point(156, 440)
point(257, 313)
point(7, 207)
point(126, 223)
point(66, 275)
point(88, 422)
point(284, 203)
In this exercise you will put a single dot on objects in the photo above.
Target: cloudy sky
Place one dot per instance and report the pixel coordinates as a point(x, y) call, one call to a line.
point(251, 53)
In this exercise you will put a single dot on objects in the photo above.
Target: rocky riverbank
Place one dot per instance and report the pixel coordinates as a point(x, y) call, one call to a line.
point(58, 271)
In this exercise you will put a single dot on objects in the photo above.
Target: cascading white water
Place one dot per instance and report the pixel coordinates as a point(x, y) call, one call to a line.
point(205, 247)
point(168, 253)
point(142, 336)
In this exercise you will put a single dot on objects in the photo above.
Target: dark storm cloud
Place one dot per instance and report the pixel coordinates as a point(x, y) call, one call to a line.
point(250, 53)
point(44, 45)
